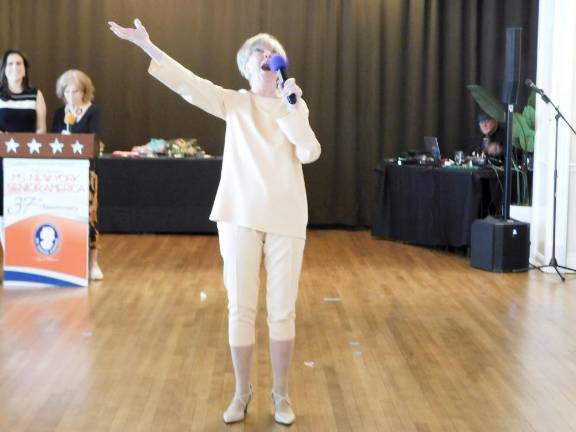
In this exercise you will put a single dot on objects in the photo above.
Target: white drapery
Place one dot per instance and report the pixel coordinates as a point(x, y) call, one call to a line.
point(556, 74)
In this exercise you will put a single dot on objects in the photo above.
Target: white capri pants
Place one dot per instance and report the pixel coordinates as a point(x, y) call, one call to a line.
point(241, 249)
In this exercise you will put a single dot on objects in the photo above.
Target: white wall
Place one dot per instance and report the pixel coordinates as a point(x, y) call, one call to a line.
point(556, 74)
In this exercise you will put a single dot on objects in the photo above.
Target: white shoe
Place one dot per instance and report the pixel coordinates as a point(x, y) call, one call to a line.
point(96, 273)
point(238, 407)
point(283, 412)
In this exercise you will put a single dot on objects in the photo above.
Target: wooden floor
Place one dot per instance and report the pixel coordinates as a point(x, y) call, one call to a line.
point(390, 337)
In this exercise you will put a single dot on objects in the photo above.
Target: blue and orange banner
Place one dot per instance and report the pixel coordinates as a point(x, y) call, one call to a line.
point(46, 222)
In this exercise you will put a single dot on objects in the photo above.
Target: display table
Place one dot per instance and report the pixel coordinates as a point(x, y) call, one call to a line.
point(432, 206)
point(156, 195)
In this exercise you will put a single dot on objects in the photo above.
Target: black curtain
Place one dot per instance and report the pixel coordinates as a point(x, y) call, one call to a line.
point(378, 75)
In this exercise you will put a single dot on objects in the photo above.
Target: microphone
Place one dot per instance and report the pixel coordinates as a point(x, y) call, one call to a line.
point(278, 64)
point(530, 84)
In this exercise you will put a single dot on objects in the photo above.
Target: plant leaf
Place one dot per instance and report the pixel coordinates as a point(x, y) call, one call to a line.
point(532, 100)
point(522, 133)
point(530, 133)
point(529, 114)
point(488, 103)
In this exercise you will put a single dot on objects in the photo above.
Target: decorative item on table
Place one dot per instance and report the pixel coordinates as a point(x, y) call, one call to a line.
point(123, 153)
point(184, 147)
point(179, 147)
point(154, 147)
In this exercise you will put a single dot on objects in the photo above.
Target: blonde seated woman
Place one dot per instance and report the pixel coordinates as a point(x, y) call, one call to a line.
point(80, 115)
point(260, 207)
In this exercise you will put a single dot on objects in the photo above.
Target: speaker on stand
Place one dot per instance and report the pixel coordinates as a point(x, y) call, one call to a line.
point(503, 245)
point(509, 98)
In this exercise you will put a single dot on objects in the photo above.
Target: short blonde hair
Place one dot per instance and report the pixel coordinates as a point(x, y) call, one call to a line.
point(261, 39)
point(75, 76)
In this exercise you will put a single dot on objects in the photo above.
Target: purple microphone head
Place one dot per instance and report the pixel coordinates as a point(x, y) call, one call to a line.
point(277, 62)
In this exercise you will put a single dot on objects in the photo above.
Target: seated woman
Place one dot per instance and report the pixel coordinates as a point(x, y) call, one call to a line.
point(80, 115)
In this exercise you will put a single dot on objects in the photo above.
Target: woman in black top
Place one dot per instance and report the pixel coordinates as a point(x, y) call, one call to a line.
point(79, 115)
point(22, 107)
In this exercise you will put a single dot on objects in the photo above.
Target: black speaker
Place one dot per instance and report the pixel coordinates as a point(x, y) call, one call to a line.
point(512, 65)
point(500, 246)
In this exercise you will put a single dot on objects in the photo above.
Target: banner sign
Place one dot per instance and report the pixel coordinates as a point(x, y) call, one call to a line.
point(46, 222)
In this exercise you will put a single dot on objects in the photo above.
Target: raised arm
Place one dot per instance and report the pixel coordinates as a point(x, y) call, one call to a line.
point(195, 90)
point(139, 37)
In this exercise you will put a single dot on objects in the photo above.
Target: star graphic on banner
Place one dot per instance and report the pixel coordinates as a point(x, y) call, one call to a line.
point(34, 146)
point(11, 146)
point(57, 146)
point(77, 147)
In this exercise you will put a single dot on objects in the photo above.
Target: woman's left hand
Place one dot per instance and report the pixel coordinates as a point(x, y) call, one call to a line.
point(290, 87)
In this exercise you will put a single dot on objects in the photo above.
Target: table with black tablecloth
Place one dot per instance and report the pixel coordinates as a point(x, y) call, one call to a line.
point(156, 195)
point(432, 206)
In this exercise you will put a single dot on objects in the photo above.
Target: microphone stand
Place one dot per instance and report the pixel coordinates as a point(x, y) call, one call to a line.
point(553, 262)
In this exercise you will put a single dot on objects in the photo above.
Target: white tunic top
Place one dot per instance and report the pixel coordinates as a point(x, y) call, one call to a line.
point(262, 184)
